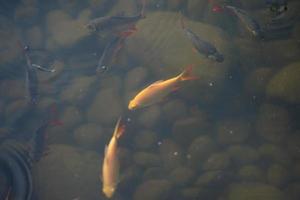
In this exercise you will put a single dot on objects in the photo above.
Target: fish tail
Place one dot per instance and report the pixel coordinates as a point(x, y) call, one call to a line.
point(119, 129)
point(187, 74)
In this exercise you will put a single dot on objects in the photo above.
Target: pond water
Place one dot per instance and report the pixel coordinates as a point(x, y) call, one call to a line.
point(226, 128)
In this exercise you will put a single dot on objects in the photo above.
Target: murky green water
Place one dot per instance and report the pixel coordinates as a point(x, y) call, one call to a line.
point(231, 134)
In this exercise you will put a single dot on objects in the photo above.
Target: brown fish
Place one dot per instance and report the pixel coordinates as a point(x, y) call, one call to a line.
point(110, 166)
point(158, 90)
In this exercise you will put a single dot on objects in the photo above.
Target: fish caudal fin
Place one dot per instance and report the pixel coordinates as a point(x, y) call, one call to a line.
point(119, 129)
point(187, 74)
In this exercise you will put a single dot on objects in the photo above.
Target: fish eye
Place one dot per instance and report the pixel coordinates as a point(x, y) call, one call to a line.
point(26, 48)
point(101, 69)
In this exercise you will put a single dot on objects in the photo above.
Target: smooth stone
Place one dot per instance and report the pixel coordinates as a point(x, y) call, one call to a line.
point(154, 173)
point(199, 150)
point(273, 123)
point(214, 178)
point(158, 189)
point(89, 136)
point(256, 82)
point(145, 139)
point(187, 129)
point(277, 175)
point(284, 85)
point(171, 154)
point(106, 107)
point(251, 173)
point(243, 154)
point(150, 116)
point(78, 90)
point(70, 30)
point(65, 172)
point(233, 131)
point(274, 153)
point(146, 159)
point(135, 78)
point(174, 110)
point(182, 176)
point(257, 191)
point(217, 161)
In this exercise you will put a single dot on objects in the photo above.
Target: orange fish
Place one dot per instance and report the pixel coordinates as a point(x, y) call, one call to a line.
point(158, 90)
point(110, 166)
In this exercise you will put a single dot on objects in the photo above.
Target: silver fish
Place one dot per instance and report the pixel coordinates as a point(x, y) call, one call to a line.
point(203, 47)
point(251, 24)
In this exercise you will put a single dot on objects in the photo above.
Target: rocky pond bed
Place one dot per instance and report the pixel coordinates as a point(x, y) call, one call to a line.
point(233, 134)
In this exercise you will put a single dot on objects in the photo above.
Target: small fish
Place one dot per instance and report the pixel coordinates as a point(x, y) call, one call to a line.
point(31, 80)
point(109, 52)
point(277, 7)
point(111, 166)
point(117, 23)
point(251, 24)
point(158, 90)
point(203, 47)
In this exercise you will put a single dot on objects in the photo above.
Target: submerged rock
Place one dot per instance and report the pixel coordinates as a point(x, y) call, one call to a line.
point(146, 159)
point(164, 49)
point(35, 37)
point(106, 107)
point(78, 89)
point(214, 178)
point(274, 153)
point(292, 191)
point(89, 136)
point(251, 173)
point(284, 84)
point(186, 130)
point(150, 116)
point(233, 131)
point(153, 190)
point(145, 139)
point(174, 110)
point(65, 172)
point(277, 175)
point(216, 161)
point(243, 154)
point(64, 31)
point(199, 150)
point(135, 78)
point(181, 176)
point(171, 154)
point(257, 191)
point(273, 123)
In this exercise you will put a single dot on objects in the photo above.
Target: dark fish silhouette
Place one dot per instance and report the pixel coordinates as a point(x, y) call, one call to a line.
point(31, 80)
point(109, 52)
point(250, 23)
point(203, 47)
point(117, 23)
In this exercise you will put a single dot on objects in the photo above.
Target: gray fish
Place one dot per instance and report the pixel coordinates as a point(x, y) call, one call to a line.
point(109, 52)
point(38, 143)
point(203, 47)
point(31, 80)
point(117, 23)
point(251, 24)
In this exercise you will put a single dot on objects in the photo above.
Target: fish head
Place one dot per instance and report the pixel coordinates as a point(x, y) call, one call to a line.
point(101, 68)
point(108, 191)
point(132, 105)
point(216, 57)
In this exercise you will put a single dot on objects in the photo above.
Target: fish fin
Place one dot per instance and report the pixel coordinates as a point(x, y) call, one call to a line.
point(187, 74)
point(119, 129)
